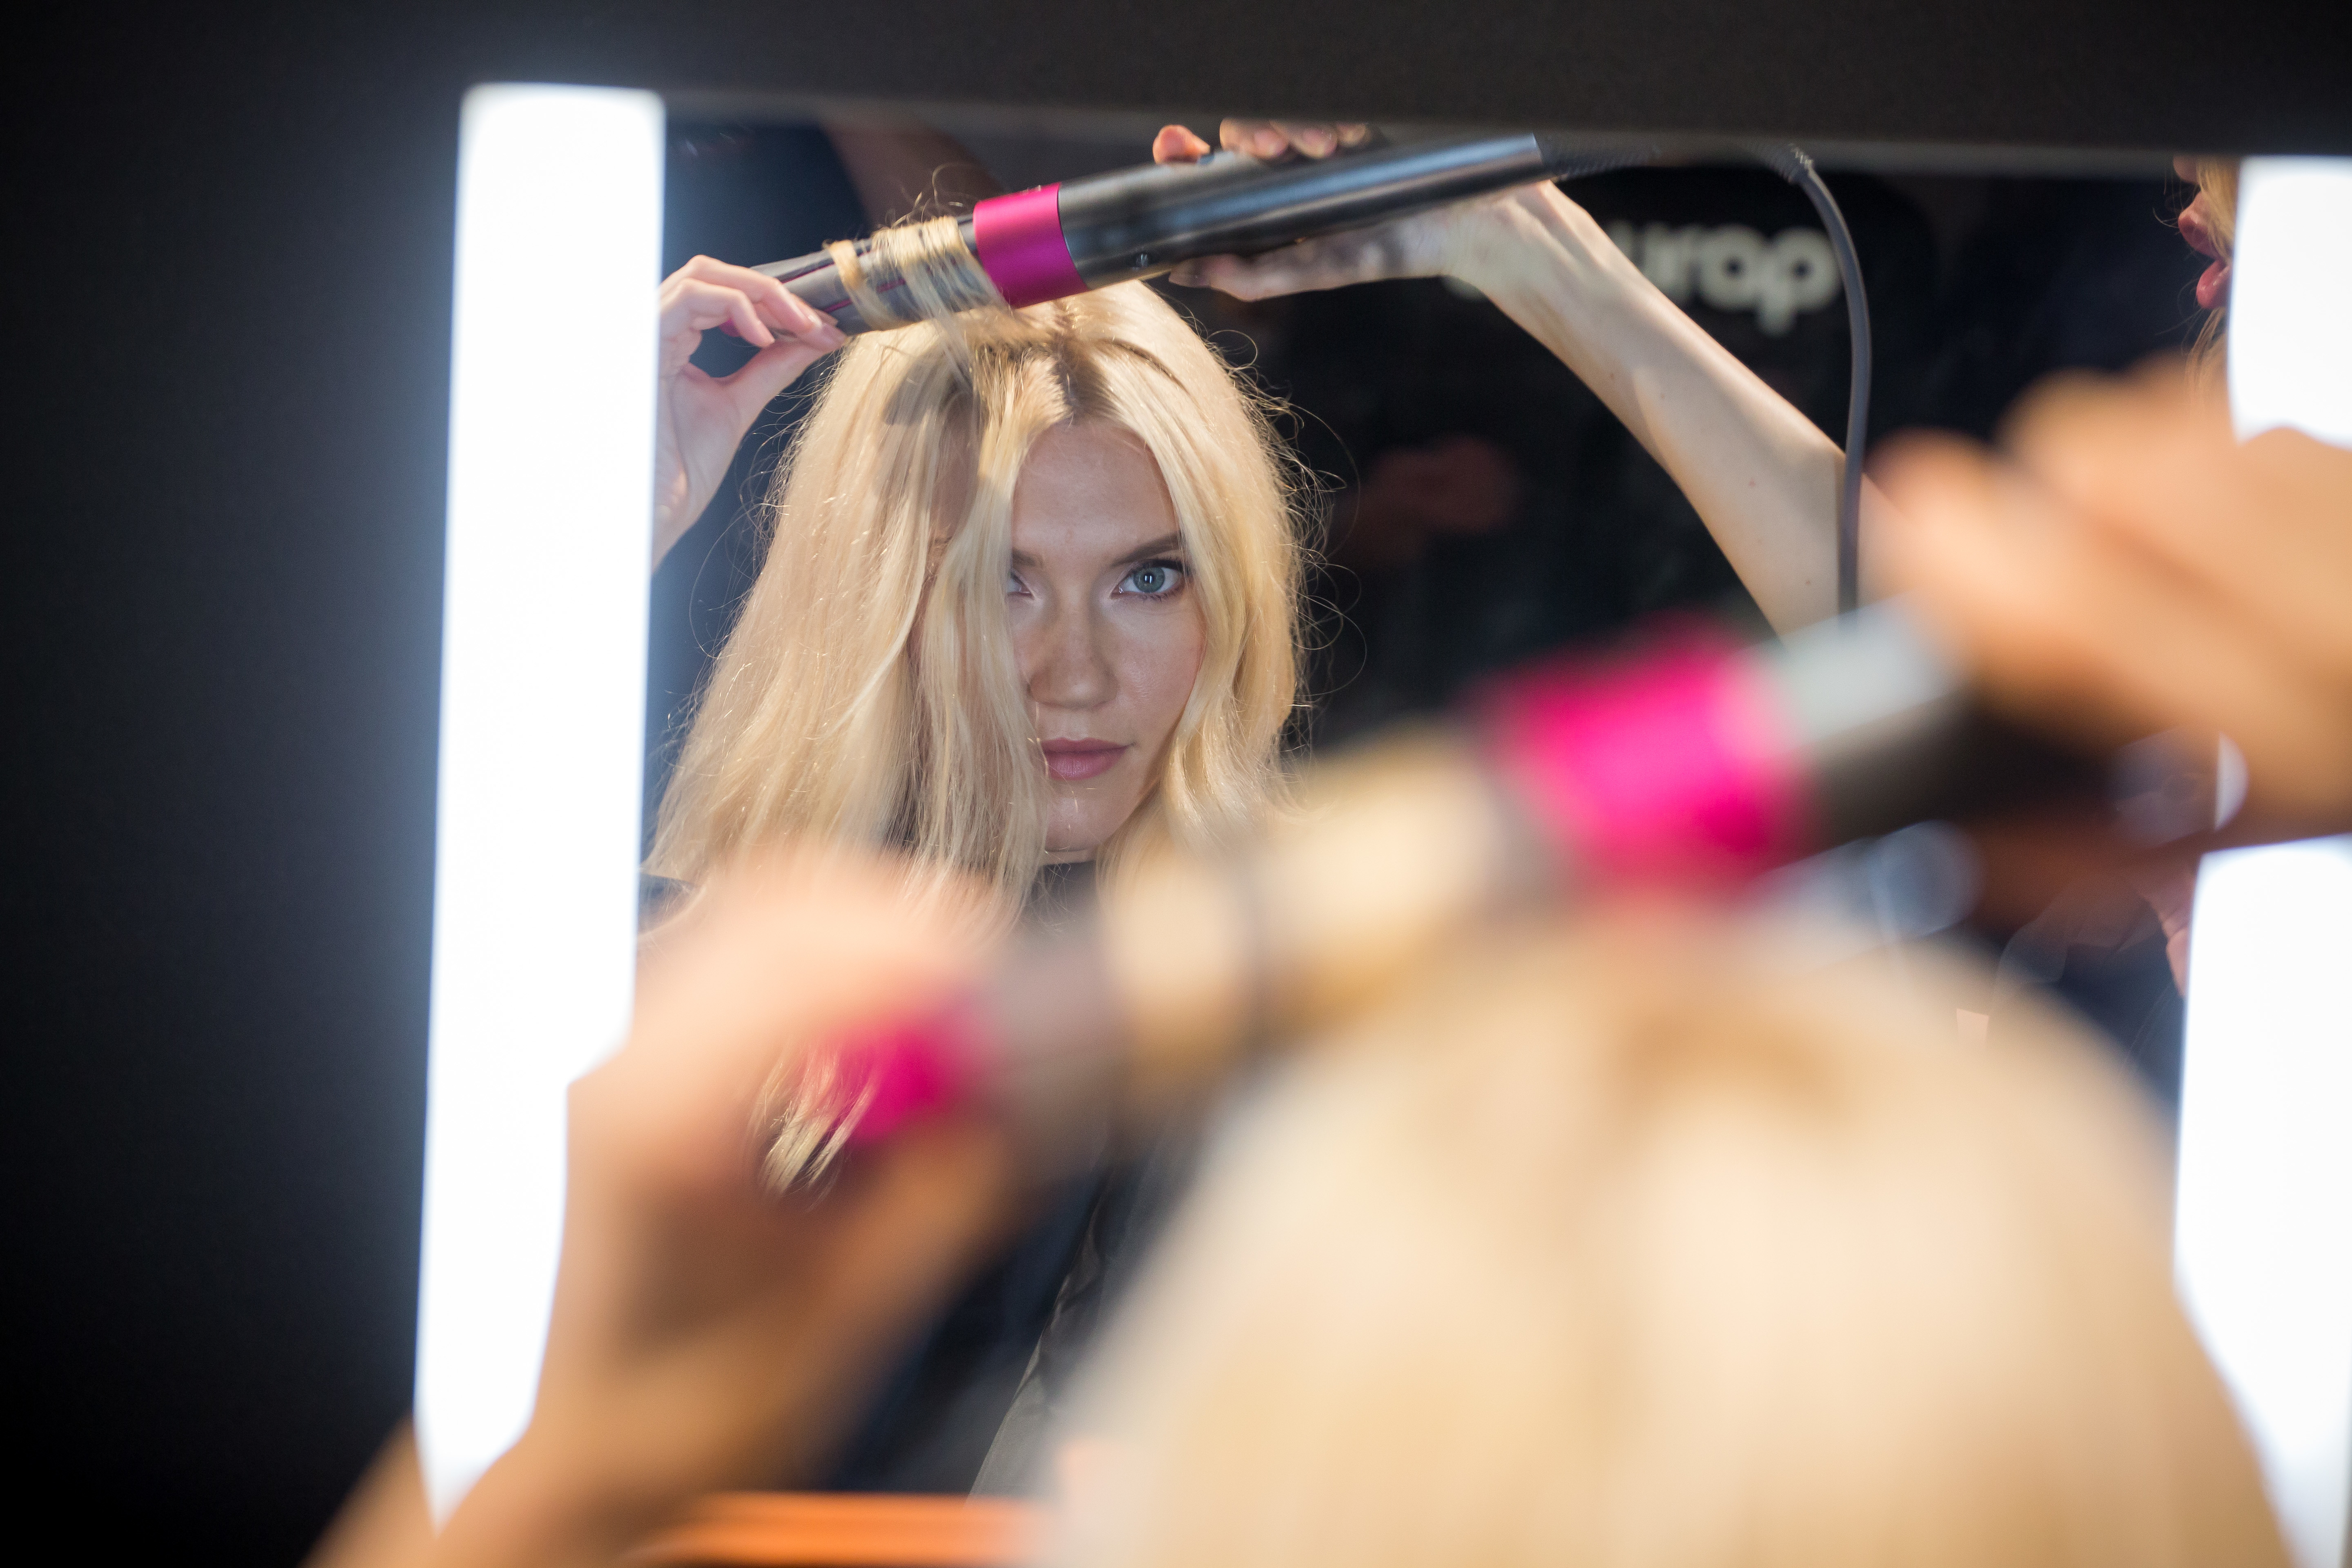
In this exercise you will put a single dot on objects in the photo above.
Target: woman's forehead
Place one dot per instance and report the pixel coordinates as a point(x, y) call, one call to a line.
point(1090, 490)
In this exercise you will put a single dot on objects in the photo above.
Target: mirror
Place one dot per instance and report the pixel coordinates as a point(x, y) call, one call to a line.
point(1481, 507)
point(1476, 506)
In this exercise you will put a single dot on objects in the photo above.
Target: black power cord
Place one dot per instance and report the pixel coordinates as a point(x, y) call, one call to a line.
point(1792, 164)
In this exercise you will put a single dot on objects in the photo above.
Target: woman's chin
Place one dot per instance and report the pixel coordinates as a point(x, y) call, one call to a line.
point(1082, 817)
point(1075, 836)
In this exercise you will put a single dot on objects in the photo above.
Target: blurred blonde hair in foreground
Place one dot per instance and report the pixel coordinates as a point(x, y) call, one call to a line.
point(1632, 1250)
point(869, 692)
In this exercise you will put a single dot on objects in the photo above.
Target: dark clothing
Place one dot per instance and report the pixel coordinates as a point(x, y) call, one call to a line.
point(2106, 959)
point(969, 1406)
point(931, 1425)
point(1135, 1203)
point(979, 1389)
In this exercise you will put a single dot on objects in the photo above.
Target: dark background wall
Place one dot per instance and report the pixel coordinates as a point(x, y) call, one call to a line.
point(226, 311)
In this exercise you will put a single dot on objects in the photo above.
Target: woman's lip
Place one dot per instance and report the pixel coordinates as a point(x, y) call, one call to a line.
point(1074, 760)
point(2197, 231)
point(2214, 285)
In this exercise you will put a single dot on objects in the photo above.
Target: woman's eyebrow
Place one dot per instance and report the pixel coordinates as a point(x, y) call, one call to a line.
point(1164, 545)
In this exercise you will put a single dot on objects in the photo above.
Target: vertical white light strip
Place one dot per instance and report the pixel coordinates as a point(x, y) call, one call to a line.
point(2264, 1236)
point(542, 716)
point(2291, 297)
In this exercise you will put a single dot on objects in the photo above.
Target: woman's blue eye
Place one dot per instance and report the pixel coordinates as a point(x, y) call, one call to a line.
point(1155, 578)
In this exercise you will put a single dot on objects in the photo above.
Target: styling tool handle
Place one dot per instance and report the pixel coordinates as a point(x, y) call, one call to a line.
point(1058, 240)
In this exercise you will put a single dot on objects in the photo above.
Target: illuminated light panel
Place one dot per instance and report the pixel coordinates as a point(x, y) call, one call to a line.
point(542, 717)
point(2291, 298)
point(2263, 1225)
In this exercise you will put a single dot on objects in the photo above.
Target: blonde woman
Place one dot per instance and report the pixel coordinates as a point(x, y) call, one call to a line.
point(1642, 1247)
point(1029, 598)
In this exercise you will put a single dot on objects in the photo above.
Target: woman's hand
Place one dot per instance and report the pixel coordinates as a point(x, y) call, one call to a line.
point(2126, 566)
point(703, 417)
point(1460, 240)
point(705, 1332)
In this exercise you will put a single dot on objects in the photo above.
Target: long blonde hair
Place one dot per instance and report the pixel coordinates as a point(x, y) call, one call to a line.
point(1624, 1250)
point(868, 692)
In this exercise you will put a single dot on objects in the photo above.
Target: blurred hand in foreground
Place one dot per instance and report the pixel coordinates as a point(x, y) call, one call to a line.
point(2124, 566)
point(705, 1333)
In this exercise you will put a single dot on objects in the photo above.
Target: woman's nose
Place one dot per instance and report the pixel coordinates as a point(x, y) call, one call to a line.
point(1063, 662)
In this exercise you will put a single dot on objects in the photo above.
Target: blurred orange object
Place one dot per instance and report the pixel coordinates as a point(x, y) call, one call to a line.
point(841, 1530)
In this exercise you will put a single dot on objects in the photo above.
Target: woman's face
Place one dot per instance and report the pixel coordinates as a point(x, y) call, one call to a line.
point(1104, 623)
point(2203, 233)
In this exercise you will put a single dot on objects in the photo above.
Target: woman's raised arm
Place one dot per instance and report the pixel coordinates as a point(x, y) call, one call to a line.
point(1762, 476)
point(703, 418)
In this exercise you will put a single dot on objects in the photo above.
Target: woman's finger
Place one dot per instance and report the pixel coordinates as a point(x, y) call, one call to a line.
point(1258, 138)
point(770, 371)
point(692, 305)
point(1273, 138)
point(775, 303)
point(1177, 144)
point(1312, 138)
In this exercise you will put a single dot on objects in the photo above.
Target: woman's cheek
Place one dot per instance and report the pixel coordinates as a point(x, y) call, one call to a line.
point(1169, 645)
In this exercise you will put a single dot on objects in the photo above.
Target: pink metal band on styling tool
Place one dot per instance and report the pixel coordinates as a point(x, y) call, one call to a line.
point(1019, 238)
point(914, 1068)
point(1669, 768)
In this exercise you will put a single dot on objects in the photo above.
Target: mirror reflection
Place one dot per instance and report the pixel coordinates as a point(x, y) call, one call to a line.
point(1183, 534)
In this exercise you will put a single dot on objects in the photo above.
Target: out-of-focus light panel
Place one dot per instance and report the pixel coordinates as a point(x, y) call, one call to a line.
point(2291, 297)
point(542, 714)
point(2264, 1236)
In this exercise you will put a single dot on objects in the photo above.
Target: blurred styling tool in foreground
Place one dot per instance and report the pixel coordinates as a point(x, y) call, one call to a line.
point(1695, 764)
